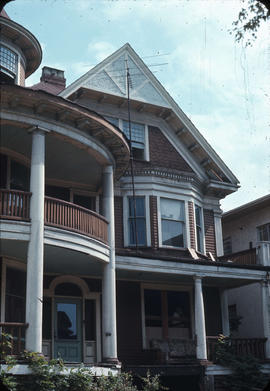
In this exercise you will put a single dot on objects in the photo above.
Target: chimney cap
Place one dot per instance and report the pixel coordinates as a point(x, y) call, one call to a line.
point(53, 75)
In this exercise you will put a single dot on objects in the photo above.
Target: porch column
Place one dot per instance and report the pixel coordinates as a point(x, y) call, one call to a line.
point(34, 281)
point(266, 314)
point(201, 351)
point(224, 312)
point(108, 283)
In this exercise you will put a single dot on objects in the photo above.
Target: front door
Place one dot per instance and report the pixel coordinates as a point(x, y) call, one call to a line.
point(68, 329)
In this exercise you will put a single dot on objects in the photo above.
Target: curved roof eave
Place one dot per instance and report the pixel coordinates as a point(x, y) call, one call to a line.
point(105, 133)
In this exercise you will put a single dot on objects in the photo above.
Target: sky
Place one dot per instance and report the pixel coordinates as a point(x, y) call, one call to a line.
point(221, 85)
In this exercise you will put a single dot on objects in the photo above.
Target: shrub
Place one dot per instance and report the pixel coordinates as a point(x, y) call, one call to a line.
point(54, 376)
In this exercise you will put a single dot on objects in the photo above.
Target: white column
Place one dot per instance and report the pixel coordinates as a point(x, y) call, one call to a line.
point(266, 315)
point(108, 283)
point(218, 233)
point(34, 283)
point(224, 312)
point(200, 320)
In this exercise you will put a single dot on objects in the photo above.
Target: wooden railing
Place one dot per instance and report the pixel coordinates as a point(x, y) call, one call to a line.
point(69, 216)
point(247, 257)
point(239, 346)
point(12, 338)
point(14, 204)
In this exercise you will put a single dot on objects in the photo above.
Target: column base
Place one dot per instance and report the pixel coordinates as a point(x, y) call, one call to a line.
point(111, 361)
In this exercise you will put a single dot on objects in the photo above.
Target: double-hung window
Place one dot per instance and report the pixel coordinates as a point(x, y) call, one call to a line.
point(172, 222)
point(264, 233)
point(136, 135)
point(137, 138)
point(198, 220)
point(136, 223)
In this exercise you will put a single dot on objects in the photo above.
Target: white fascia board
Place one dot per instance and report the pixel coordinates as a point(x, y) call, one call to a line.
point(76, 242)
point(187, 269)
point(184, 119)
point(160, 186)
point(183, 151)
point(171, 103)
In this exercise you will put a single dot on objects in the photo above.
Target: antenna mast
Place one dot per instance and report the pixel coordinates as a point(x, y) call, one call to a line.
point(131, 157)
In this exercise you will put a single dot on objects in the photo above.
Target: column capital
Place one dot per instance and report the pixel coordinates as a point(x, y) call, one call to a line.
point(108, 169)
point(197, 277)
point(38, 129)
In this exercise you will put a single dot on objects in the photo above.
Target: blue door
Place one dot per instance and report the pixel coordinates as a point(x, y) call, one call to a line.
point(68, 330)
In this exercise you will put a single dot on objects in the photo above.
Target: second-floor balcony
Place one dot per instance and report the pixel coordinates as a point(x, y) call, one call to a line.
point(15, 205)
point(254, 256)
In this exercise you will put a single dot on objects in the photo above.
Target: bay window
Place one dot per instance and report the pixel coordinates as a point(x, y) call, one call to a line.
point(198, 220)
point(136, 224)
point(172, 222)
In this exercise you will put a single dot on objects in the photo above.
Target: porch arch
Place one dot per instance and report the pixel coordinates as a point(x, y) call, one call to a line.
point(68, 279)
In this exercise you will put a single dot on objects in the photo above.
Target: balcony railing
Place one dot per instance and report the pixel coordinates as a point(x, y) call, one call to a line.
point(12, 338)
point(239, 346)
point(14, 204)
point(69, 216)
point(247, 257)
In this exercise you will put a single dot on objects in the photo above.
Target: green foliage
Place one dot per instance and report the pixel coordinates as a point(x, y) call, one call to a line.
point(249, 20)
point(55, 376)
point(152, 383)
point(246, 370)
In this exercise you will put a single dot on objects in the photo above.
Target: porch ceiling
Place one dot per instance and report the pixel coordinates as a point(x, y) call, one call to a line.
point(65, 163)
point(182, 279)
point(56, 259)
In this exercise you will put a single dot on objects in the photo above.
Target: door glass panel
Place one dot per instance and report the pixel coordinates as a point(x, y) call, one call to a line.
point(67, 321)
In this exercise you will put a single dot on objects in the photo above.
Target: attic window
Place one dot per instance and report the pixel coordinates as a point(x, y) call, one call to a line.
point(8, 64)
point(137, 138)
point(138, 144)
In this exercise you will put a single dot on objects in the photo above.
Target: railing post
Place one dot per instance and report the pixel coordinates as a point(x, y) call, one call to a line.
point(34, 281)
point(108, 282)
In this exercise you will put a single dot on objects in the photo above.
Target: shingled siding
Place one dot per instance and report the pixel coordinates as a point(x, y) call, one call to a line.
point(118, 218)
point(191, 218)
point(154, 221)
point(209, 230)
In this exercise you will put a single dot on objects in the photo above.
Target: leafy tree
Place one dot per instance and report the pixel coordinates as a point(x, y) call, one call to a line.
point(250, 18)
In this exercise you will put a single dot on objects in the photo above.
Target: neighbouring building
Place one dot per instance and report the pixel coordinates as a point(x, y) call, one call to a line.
point(103, 261)
point(246, 236)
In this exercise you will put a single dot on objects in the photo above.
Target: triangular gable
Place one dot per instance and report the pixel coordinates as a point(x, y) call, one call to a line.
point(109, 77)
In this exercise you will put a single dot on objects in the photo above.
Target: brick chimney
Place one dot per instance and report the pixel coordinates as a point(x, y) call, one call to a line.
point(53, 76)
point(52, 80)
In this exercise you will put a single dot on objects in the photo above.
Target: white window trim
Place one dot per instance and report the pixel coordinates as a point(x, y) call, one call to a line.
point(146, 154)
point(186, 224)
point(202, 227)
point(175, 288)
point(258, 231)
point(126, 217)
